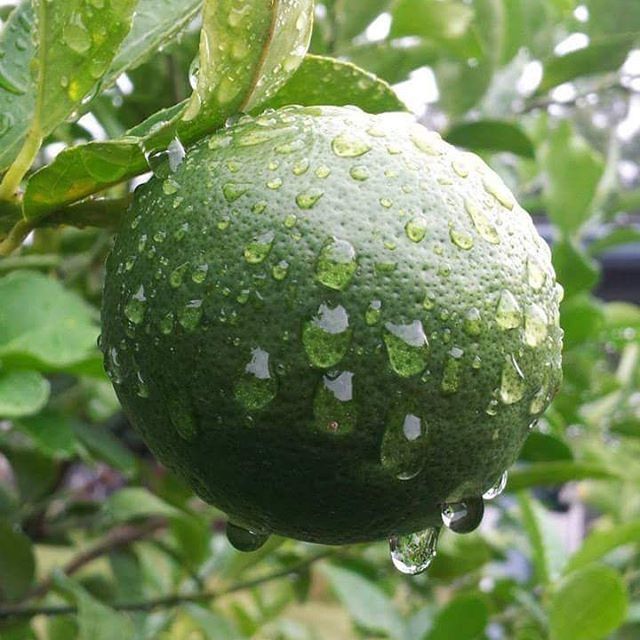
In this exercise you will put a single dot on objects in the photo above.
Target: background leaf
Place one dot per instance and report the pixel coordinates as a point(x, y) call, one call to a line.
point(491, 135)
point(17, 563)
point(464, 618)
point(22, 393)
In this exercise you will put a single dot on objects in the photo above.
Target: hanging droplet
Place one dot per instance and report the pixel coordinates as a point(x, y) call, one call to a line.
point(413, 553)
point(349, 146)
point(481, 223)
point(327, 336)
point(403, 449)
point(245, 539)
point(497, 488)
point(407, 347)
point(464, 516)
point(513, 385)
point(333, 406)
point(535, 325)
point(508, 312)
point(259, 248)
point(135, 309)
point(451, 374)
point(257, 386)
point(336, 264)
point(416, 229)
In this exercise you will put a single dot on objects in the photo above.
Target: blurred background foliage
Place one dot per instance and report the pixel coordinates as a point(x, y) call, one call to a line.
point(548, 92)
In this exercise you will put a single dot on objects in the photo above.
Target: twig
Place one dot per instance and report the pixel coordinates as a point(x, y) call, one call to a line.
point(19, 611)
point(116, 538)
point(35, 261)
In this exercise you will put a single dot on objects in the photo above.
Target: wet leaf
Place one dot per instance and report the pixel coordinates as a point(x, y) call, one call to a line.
point(17, 562)
point(491, 135)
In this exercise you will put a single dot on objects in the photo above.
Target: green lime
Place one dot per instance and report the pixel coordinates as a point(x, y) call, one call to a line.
point(333, 325)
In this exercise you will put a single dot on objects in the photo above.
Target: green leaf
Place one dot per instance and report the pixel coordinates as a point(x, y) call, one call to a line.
point(431, 19)
point(42, 324)
point(541, 474)
point(602, 541)
point(17, 562)
point(612, 16)
point(581, 318)
point(134, 503)
point(154, 24)
point(51, 433)
point(464, 618)
point(575, 270)
point(103, 446)
point(213, 625)
point(96, 620)
point(367, 604)
point(77, 42)
point(326, 81)
point(588, 605)
point(491, 135)
point(35, 473)
point(22, 393)
point(547, 550)
point(246, 54)
point(572, 169)
point(17, 97)
point(598, 57)
point(615, 238)
point(542, 447)
point(352, 18)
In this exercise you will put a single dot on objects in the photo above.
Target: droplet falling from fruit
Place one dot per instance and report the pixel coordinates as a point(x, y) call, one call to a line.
point(497, 488)
point(244, 539)
point(463, 516)
point(413, 553)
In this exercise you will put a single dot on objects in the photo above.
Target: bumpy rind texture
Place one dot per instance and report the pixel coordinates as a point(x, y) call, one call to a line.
point(331, 323)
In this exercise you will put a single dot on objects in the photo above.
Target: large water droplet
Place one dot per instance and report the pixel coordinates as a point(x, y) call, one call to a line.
point(508, 312)
point(245, 539)
point(413, 553)
point(460, 238)
point(190, 315)
point(535, 274)
point(408, 348)
point(280, 270)
point(336, 264)
point(494, 186)
point(473, 322)
point(496, 488)
point(327, 336)
point(232, 191)
point(428, 142)
point(451, 374)
point(535, 325)
point(75, 34)
point(349, 146)
point(301, 167)
point(177, 275)
point(481, 223)
point(257, 386)
point(539, 401)
point(464, 516)
point(416, 229)
point(333, 405)
point(309, 199)
point(134, 311)
point(402, 451)
point(512, 385)
point(259, 248)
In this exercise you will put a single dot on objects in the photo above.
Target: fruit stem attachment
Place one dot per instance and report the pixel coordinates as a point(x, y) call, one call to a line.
point(18, 170)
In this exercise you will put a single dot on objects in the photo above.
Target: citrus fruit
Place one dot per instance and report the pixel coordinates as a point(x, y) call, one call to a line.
point(335, 326)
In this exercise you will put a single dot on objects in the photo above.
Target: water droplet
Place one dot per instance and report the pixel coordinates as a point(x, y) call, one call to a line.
point(428, 142)
point(177, 275)
point(75, 34)
point(190, 315)
point(259, 207)
point(416, 229)
point(460, 238)
point(349, 146)
point(323, 171)
point(359, 173)
point(309, 199)
point(413, 553)
point(536, 275)
point(327, 336)
point(451, 374)
point(181, 417)
point(232, 191)
point(167, 323)
point(243, 539)
point(254, 137)
point(274, 184)
point(480, 221)
point(199, 274)
point(408, 348)
point(492, 407)
point(301, 167)
point(257, 386)
point(402, 452)
point(385, 268)
point(539, 401)
point(134, 311)
point(376, 132)
point(464, 516)
point(336, 264)
point(497, 488)
point(386, 203)
point(259, 248)
point(333, 407)
point(473, 322)
point(290, 147)
point(460, 167)
point(170, 186)
point(508, 312)
point(559, 292)
point(512, 386)
point(494, 186)
point(142, 390)
point(429, 302)
point(535, 325)
point(280, 270)
point(373, 313)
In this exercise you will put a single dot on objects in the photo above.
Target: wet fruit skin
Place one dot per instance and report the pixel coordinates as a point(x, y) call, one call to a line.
point(218, 285)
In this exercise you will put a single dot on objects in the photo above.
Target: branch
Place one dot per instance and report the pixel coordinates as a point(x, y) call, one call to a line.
point(19, 611)
point(119, 537)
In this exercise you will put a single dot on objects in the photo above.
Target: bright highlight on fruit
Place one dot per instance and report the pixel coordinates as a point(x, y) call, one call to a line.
point(335, 326)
